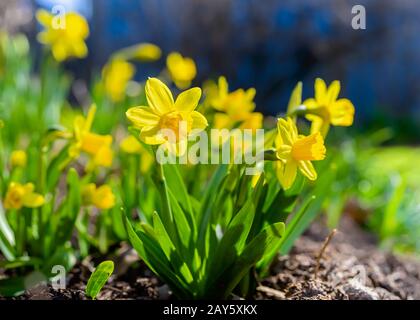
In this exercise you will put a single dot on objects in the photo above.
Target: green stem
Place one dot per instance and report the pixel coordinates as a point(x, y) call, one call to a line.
point(166, 216)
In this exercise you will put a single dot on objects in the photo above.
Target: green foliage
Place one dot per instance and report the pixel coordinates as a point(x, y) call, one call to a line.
point(98, 278)
point(203, 254)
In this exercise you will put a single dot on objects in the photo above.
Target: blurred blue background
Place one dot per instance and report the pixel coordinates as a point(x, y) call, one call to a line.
point(272, 44)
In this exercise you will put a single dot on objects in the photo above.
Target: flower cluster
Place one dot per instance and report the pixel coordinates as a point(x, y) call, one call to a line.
point(67, 191)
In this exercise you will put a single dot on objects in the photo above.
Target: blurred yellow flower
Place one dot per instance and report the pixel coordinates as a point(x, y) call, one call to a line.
point(296, 151)
point(103, 157)
point(18, 196)
point(131, 145)
point(64, 35)
point(18, 158)
point(182, 70)
point(116, 74)
point(102, 197)
point(326, 109)
point(165, 114)
point(95, 145)
point(146, 52)
point(295, 100)
point(235, 107)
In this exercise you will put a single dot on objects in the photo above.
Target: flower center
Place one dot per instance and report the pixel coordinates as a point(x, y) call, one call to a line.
point(309, 148)
point(174, 122)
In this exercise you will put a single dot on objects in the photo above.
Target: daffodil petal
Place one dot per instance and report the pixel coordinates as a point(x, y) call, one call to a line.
point(284, 129)
point(223, 87)
point(32, 200)
point(159, 96)
point(199, 121)
point(310, 103)
point(295, 98)
point(152, 135)
point(307, 169)
point(283, 152)
point(333, 91)
point(142, 117)
point(286, 173)
point(44, 17)
point(59, 51)
point(320, 90)
point(188, 100)
point(222, 121)
point(342, 113)
point(316, 123)
point(77, 25)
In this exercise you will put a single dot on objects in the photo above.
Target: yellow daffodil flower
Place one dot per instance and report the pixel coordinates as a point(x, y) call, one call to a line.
point(95, 145)
point(235, 107)
point(253, 121)
point(325, 109)
point(295, 100)
point(103, 157)
point(182, 70)
point(295, 152)
point(146, 52)
point(163, 113)
point(65, 37)
point(116, 74)
point(18, 196)
point(18, 158)
point(131, 145)
point(103, 198)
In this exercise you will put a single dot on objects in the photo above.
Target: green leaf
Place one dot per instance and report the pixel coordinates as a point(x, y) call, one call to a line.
point(98, 278)
point(184, 229)
point(280, 208)
point(70, 210)
point(233, 241)
point(150, 251)
point(169, 249)
point(307, 212)
point(11, 287)
point(55, 168)
point(251, 254)
point(177, 186)
point(389, 222)
point(7, 237)
point(5, 228)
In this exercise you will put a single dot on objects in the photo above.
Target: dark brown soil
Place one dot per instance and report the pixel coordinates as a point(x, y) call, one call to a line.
point(351, 267)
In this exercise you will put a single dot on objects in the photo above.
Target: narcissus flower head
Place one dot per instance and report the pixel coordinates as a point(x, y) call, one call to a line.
point(295, 152)
point(22, 195)
point(326, 109)
point(101, 197)
point(234, 107)
point(163, 113)
point(97, 146)
point(18, 158)
point(182, 70)
point(65, 35)
point(116, 75)
point(146, 52)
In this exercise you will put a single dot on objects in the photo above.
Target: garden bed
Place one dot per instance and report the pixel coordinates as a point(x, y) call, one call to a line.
point(351, 267)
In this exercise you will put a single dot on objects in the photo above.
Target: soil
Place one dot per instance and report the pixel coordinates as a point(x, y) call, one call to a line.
point(351, 267)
